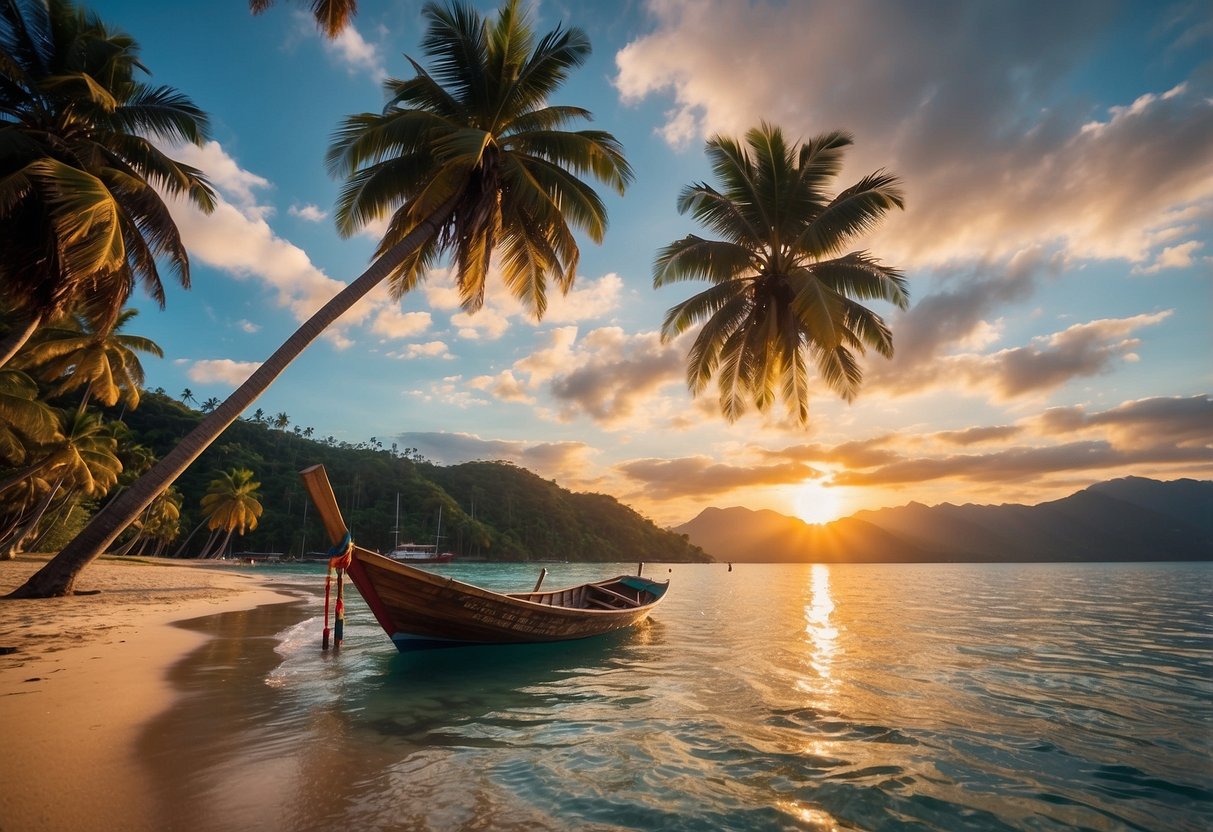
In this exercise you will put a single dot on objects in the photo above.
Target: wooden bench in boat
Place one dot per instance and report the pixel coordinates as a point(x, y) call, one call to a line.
point(613, 600)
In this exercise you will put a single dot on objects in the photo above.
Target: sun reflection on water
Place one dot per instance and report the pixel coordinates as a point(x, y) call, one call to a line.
point(823, 635)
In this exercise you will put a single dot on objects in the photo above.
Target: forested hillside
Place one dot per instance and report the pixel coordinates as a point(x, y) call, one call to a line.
point(491, 510)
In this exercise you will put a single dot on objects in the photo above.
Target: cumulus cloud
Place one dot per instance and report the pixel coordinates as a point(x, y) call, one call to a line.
point(1155, 434)
point(590, 299)
point(545, 458)
point(1044, 365)
point(238, 239)
point(504, 387)
point(702, 476)
point(248, 326)
point(393, 323)
point(960, 101)
point(221, 371)
point(430, 349)
point(353, 51)
point(309, 212)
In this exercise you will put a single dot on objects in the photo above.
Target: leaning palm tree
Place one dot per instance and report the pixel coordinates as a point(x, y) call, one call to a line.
point(80, 213)
point(231, 504)
point(80, 353)
point(783, 294)
point(466, 160)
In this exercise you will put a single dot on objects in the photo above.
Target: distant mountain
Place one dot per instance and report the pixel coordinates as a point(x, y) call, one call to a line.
point(1121, 520)
point(488, 510)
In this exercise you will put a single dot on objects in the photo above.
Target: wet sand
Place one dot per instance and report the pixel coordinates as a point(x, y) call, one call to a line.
point(84, 676)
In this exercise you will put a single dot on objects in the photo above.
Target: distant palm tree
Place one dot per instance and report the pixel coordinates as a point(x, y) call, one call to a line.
point(80, 215)
point(187, 395)
point(282, 421)
point(82, 460)
point(209, 405)
point(79, 353)
point(464, 161)
point(231, 504)
point(782, 293)
point(259, 416)
point(25, 420)
point(332, 16)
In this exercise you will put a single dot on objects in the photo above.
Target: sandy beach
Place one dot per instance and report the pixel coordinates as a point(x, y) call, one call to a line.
point(82, 675)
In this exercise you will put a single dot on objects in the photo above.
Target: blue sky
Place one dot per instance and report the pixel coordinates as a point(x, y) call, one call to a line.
point(1057, 160)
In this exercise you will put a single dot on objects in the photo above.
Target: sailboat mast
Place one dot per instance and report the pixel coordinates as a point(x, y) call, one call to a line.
point(396, 528)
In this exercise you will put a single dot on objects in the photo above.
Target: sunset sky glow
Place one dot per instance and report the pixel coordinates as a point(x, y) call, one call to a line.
point(1057, 160)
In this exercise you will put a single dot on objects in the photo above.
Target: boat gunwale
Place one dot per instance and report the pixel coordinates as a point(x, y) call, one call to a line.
point(374, 560)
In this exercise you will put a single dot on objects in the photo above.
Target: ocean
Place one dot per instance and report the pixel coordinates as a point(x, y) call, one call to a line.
point(772, 697)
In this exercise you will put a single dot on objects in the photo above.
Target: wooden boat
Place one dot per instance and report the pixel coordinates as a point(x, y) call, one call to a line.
point(421, 610)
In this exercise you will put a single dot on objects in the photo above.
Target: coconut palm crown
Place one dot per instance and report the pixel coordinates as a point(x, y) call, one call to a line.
point(80, 215)
point(480, 130)
point(783, 292)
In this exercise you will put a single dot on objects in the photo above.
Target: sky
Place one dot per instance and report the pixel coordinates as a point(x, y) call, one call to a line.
point(1057, 162)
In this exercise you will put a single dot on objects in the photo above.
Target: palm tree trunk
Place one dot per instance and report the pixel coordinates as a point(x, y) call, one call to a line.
point(28, 530)
point(58, 576)
point(177, 554)
point(12, 343)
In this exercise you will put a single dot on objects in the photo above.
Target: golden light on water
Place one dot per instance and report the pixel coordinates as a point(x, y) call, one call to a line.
point(821, 632)
point(816, 502)
point(815, 817)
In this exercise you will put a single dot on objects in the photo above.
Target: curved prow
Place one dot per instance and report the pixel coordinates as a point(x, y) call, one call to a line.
point(316, 481)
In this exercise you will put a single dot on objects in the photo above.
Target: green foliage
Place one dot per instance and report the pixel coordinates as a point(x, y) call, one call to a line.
point(491, 510)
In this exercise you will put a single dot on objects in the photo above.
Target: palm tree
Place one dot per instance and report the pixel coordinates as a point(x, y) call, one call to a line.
point(231, 504)
point(187, 395)
point(209, 405)
point(25, 420)
point(80, 216)
point(782, 292)
point(331, 15)
point(80, 353)
point(282, 421)
point(83, 460)
point(464, 160)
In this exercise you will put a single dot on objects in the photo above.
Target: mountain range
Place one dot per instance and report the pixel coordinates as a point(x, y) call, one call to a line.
point(1128, 519)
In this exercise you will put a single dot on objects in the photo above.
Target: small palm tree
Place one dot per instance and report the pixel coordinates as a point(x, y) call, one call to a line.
point(81, 216)
point(231, 504)
point(465, 161)
point(209, 405)
point(782, 292)
point(80, 353)
point(187, 395)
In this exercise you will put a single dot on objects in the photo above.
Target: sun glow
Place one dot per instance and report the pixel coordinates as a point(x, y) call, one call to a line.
point(816, 502)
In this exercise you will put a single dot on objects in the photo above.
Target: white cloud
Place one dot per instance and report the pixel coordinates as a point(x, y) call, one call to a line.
point(221, 370)
point(393, 323)
point(248, 326)
point(350, 49)
point(309, 212)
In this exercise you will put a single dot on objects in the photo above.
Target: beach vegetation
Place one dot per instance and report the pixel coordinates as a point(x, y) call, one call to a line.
point(466, 159)
point(82, 216)
point(231, 505)
point(783, 296)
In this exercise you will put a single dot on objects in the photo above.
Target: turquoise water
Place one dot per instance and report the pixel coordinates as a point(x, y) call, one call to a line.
point(874, 697)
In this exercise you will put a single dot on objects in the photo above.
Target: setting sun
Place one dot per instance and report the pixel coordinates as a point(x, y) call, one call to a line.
point(816, 502)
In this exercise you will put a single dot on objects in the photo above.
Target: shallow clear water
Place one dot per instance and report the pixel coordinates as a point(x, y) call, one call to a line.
point(934, 697)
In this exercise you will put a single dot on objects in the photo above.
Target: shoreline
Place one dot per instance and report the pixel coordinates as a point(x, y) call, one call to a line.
point(88, 673)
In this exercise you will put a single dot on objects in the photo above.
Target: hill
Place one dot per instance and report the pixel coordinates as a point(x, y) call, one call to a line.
point(490, 510)
point(1130, 519)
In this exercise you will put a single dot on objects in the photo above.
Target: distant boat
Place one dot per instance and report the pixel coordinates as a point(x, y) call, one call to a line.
point(421, 610)
point(420, 552)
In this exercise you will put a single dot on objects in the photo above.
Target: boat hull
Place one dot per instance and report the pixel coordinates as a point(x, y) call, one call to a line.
point(420, 610)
